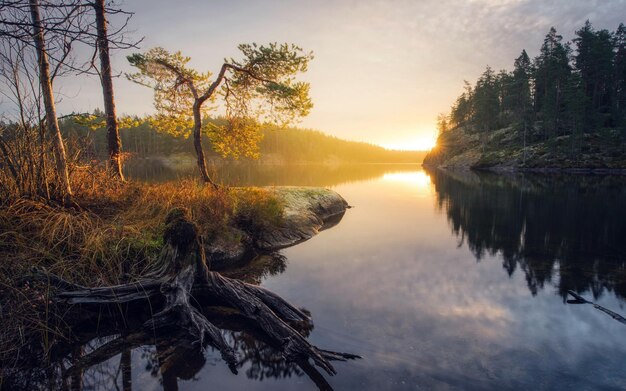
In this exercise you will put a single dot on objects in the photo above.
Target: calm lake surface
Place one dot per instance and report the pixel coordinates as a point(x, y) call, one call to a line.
point(440, 281)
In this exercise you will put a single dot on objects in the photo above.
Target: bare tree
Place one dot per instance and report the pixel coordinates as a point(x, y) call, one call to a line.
point(104, 41)
point(114, 145)
point(23, 145)
point(48, 99)
point(23, 30)
point(61, 26)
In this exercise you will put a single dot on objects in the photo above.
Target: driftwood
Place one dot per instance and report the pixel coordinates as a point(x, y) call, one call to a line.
point(578, 299)
point(181, 298)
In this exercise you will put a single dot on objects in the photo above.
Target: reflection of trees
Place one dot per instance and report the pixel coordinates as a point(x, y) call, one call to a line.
point(263, 361)
point(259, 268)
point(565, 230)
point(170, 356)
point(255, 174)
point(97, 356)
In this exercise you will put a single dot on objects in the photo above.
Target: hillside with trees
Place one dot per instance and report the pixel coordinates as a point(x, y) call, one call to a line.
point(564, 109)
point(276, 145)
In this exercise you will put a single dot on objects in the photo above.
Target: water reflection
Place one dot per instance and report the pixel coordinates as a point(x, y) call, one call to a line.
point(254, 174)
point(392, 283)
point(418, 178)
point(98, 356)
point(259, 268)
point(567, 231)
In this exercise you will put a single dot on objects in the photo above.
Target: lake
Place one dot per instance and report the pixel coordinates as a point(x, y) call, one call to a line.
point(439, 280)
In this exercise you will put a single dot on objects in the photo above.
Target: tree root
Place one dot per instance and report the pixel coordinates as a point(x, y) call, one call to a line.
point(178, 290)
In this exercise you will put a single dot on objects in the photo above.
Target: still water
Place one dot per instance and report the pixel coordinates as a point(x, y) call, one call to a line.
point(440, 281)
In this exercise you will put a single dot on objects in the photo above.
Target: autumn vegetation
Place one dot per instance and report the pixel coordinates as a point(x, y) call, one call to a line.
point(73, 218)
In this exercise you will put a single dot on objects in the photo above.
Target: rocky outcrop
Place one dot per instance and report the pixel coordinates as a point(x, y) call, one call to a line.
point(307, 211)
point(455, 148)
point(503, 150)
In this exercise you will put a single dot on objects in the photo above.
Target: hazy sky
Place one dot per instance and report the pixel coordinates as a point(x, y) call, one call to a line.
point(382, 69)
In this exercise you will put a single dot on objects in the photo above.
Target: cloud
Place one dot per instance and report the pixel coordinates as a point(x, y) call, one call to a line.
point(389, 65)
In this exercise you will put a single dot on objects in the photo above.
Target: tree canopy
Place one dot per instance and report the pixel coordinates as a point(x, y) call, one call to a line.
point(568, 89)
point(259, 88)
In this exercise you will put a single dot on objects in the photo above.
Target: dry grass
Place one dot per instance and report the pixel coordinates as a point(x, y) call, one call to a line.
point(114, 234)
point(117, 227)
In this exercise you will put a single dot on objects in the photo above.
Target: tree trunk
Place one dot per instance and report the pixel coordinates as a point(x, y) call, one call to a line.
point(48, 99)
point(113, 136)
point(197, 143)
point(125, 366)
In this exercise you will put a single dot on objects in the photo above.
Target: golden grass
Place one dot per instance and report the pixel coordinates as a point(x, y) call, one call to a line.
point(117, 227)
point(113, 234)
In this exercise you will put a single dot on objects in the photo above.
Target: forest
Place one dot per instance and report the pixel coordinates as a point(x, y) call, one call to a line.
point(569, 100)
point(283, 145)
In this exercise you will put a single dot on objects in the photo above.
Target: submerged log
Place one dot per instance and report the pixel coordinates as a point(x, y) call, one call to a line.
point(172, 298)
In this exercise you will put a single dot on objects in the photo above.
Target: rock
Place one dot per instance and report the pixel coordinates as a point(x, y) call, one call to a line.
point(223, 252)
point(307, 211)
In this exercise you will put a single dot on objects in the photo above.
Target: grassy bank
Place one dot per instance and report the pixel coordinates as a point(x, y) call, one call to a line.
point(112, 235)
point(116, 228)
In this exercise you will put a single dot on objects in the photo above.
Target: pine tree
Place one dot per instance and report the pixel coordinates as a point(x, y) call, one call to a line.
point(486, 102)
point(552, 69)
point(594, 61)
point(521, 82)
point(619, 86)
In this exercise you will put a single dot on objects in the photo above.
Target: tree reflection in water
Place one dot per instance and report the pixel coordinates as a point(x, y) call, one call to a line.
point(563, 230)
point(95, 358)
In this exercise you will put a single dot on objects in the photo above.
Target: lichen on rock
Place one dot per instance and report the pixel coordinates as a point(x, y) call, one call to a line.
point(306, 211)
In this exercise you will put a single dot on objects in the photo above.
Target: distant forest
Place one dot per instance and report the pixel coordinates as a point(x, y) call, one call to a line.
point(575, 89)
point(278, 145)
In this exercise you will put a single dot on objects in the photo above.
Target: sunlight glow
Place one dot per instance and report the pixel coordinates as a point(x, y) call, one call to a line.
point(419, 178)
point(425, 142)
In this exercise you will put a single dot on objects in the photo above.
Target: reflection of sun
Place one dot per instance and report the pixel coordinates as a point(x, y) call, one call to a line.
point(418, 178)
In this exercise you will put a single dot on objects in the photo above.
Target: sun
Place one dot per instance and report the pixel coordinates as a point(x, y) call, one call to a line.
point(420, 143)
point(425, 144)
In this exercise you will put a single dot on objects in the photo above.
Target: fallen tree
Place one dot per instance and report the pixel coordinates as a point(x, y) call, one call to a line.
point(179, 297)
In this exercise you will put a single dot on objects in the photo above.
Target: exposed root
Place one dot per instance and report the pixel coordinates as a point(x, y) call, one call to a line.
point(178, 289)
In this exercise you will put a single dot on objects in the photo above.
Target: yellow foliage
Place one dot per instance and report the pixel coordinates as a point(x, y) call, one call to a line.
point(259, 89)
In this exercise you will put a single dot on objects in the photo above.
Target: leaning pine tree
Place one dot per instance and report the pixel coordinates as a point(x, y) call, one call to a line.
point(258, 89)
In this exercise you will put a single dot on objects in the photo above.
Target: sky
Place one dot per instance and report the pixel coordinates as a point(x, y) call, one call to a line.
point(382, 71)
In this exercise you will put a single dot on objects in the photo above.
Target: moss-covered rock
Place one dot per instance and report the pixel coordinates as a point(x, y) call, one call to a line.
point(304, 212)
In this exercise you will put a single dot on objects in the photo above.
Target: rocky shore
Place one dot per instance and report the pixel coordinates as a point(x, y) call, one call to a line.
point(306, 211)
point(504, 150)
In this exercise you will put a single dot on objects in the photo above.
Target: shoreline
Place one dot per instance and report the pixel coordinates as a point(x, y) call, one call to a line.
point(306, 212)
point(534, 170)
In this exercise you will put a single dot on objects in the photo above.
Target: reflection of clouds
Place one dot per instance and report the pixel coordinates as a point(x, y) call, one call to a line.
point(390, 284)
point(486, 311)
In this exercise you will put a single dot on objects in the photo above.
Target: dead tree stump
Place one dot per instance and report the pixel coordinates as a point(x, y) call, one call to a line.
point(176, 291)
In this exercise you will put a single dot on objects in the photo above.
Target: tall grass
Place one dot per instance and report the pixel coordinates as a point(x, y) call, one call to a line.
point(112, 234)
